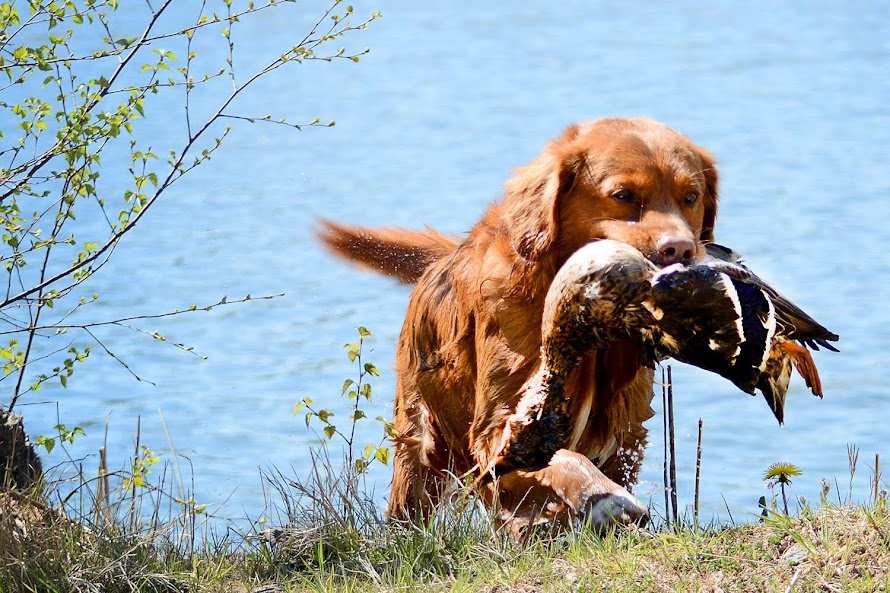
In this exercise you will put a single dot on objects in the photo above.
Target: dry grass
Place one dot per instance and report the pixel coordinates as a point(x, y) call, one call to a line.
point(331, 542)
point(833, 549)
point(115, 534)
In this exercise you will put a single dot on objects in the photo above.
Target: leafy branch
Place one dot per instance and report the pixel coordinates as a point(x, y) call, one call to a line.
point(357, 391)
point(77, 87)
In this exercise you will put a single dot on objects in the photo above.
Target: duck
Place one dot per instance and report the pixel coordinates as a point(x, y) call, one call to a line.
point(715, 314)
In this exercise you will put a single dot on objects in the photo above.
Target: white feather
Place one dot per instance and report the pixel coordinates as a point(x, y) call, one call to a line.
point(730, 291)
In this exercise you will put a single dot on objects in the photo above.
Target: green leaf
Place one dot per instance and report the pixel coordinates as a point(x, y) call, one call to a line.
point(46, 442)
point(390, 429)
point(346, 385)
point(363, 332)
point(330, 430)
point(382, 455)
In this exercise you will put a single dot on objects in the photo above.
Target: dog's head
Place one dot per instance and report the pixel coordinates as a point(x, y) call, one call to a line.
point(631, 180)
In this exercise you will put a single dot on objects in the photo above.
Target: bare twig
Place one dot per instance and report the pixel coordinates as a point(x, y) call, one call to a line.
point(125, 321)
point(697, 475)
point(794, 579)
point(673, 464)
point(665, 473)
point(103, 491)
point(132, 514)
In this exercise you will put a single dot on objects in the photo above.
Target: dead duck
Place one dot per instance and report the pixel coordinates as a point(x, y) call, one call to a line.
point(715, 314)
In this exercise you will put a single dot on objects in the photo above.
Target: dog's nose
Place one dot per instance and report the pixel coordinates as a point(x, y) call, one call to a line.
point(675, 250)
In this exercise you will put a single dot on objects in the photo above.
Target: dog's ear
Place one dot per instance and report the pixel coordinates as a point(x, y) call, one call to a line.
point(531, 197)
point(709, 170)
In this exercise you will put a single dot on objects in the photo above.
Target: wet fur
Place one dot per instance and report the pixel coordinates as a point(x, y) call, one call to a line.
point(472, 331)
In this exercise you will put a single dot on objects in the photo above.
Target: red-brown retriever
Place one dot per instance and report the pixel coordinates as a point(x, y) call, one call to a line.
point(472, 332)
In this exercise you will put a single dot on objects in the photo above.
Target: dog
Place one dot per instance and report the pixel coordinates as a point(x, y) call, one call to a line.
point(472, 331)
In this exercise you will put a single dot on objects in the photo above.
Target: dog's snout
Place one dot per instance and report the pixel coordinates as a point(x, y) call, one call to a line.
point(675, 250)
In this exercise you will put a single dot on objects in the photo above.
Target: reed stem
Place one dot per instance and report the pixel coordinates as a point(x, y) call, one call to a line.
point(697, 476)
point(673, 461)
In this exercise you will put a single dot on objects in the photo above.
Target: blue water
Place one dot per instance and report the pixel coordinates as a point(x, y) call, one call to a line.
point(793, 99)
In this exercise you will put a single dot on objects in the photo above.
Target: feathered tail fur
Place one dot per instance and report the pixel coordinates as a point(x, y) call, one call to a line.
point(401, 253)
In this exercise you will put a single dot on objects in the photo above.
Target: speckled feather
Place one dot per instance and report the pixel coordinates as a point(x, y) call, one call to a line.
point(596, 298)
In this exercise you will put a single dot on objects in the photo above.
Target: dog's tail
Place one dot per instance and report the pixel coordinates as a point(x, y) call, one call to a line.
point(396, 252)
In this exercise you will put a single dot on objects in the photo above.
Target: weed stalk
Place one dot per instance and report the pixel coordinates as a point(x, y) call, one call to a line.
point(697, 476)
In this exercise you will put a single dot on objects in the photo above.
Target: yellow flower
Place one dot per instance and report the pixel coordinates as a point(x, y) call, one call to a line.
point(782, 472)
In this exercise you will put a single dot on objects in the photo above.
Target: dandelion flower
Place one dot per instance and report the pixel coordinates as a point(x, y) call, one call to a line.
point(782, 472)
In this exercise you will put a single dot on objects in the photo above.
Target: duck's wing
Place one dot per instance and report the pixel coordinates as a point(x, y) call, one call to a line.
point(796, 324)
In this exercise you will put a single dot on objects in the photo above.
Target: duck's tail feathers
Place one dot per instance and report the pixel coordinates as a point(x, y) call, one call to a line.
point(806, 367)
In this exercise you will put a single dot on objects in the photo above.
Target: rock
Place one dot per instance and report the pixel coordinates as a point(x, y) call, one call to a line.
point(20, 466)
point(795, 555)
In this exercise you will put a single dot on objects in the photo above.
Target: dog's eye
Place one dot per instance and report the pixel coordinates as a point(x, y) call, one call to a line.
point(691, 198)
point(624, 195)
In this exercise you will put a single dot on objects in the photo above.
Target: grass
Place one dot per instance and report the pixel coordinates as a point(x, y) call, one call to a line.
point(122, 532)
point(328, 536)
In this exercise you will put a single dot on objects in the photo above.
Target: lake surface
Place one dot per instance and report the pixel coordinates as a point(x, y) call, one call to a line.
point(792, 98)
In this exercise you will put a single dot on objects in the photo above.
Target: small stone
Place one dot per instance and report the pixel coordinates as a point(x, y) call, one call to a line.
point(20, 528)
point(795, 555)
